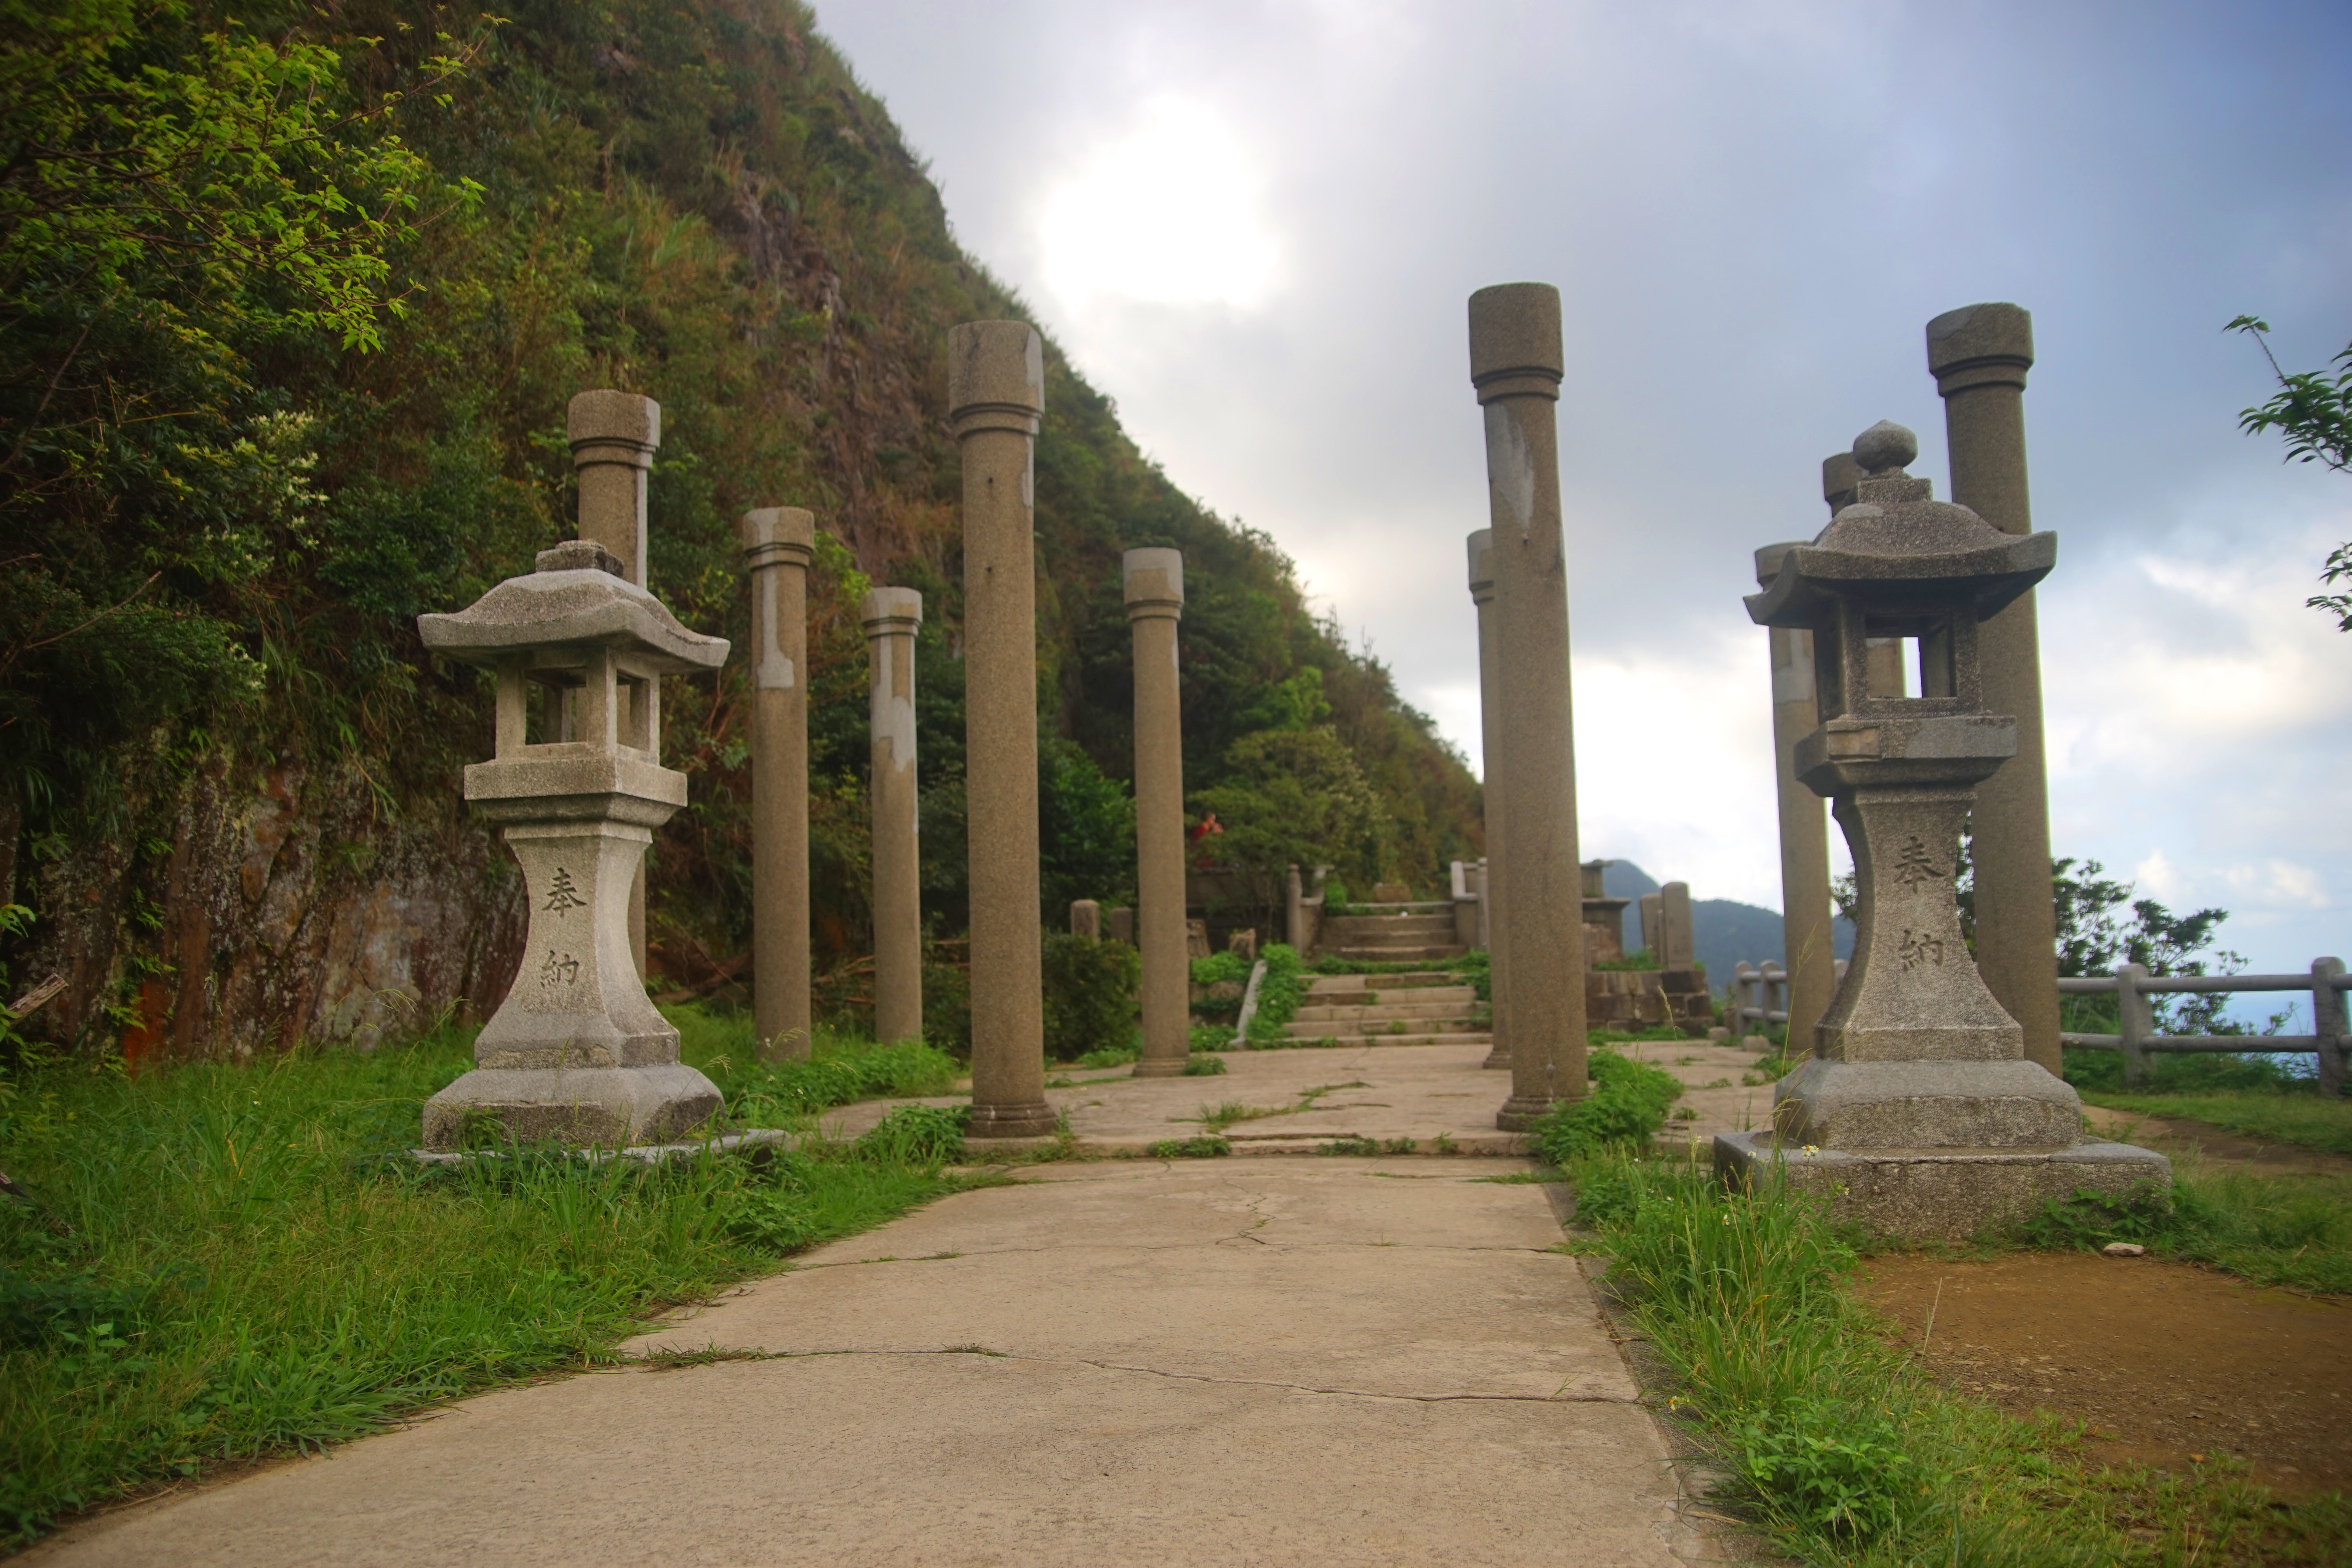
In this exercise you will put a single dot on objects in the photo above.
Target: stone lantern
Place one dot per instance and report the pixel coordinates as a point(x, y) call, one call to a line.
point(1919, 1114)
point(575, 1053)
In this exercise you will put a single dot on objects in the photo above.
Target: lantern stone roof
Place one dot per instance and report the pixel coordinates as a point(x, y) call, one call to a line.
point(577, 598)
point(1897, 547)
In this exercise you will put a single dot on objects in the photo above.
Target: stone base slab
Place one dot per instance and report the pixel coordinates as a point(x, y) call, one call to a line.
point(1939, 1195)
point(1518, 1115)
point(602, 1107)
point(643, 1153)
point(996, 1124)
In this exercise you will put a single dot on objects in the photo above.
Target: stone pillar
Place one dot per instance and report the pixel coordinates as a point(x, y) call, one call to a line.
point(1293, 912)
point(891, 615)
point(1808, 938)
point(779, 545)
point(1490, 745)
point(1121, 922)
point(1515, 365)
point(1676, 949)
point(1980, 354)
point(996, 393)
point(612, 436)
point(1155, 598)
point(1654, 941)
point(1086, 919)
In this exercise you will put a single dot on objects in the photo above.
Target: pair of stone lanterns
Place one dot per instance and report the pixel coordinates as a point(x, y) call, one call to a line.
point(1918, 1114)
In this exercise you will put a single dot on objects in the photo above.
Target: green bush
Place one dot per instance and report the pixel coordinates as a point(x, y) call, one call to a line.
point(1203, 1065)
point(1279, 993)
point(1626, 1109)
point(947, 1010)
point(1220, 968)
point(1826, 1465)
point(1089, 994)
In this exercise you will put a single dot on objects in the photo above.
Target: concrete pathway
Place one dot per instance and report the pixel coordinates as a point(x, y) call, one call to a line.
point(1309, 1361)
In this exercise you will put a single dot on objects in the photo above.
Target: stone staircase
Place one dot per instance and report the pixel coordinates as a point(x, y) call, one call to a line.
point(1423, 1009)
point(1399, 933)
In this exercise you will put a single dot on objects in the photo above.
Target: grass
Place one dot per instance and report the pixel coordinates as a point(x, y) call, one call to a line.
point(252, 1266)
point(2305, 1118)
point(1845, 1453)
point(1216, 1119)
point(2291, 1231)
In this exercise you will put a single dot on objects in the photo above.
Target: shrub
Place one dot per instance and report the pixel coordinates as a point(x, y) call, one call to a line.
point(1837, 1469)
point(1203, 1065)
point(1279, 993)
point(947, 1010)
point(1626, 1108)
point(1220, 968)
point(1089, 994)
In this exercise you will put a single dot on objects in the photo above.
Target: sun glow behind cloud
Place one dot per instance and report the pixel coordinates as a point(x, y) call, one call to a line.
point(1171, 213)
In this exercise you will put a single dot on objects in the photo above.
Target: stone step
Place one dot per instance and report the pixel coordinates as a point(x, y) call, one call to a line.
point(1400, 954)
point(1400, 997)
point(1446, 1038)
point(1359, 928)
point(1438, 1024)
point(1402, 980)
point(1387, 1012)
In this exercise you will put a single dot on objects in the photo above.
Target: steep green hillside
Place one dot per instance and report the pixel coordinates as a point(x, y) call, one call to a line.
point(290, 306)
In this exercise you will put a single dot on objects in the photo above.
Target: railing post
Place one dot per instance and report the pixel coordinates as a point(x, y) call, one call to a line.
point(1739, 977)
point(2327, 1021)
point(2135, 1021)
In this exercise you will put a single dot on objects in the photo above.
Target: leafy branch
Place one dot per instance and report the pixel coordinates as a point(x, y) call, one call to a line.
point(2312, 410)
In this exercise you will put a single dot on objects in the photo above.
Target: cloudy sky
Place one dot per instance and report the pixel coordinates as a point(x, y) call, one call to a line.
point(1256, 226)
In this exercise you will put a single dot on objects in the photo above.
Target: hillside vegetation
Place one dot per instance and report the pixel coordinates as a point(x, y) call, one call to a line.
point(292, 299)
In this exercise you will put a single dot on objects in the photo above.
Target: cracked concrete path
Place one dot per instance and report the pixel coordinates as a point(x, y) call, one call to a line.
point(1305, 1361)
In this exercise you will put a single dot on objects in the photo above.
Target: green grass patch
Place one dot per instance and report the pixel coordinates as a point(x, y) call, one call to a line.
point(1840, 1449)
point(2301, 1116)
point(2294, 1231)
point(1201, 1064)
point(1111, 1057)
point(254, 1264)
point(1202, 1146)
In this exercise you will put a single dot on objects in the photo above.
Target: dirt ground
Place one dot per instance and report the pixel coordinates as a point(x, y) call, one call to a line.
point(2168, 1364)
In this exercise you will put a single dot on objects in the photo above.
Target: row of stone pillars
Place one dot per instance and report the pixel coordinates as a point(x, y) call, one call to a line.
point(1979, 356)
point(996, 383)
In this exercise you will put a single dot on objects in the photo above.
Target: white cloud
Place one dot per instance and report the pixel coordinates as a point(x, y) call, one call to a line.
point(1170, 212)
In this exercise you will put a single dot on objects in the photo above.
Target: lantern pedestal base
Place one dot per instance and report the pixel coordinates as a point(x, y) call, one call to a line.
point(1939, 1195)
point(612, 1108)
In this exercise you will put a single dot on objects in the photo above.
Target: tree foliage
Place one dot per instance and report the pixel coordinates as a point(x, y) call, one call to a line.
point(2312, 411)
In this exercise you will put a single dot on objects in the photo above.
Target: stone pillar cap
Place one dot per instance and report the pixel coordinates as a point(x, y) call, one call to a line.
point(885, 610)
point(772, 535)
point(1885, 447)
point(1154, 579)
point(1769, 558)
point(1482, 564)
point(1840, 475)
point(609, 427)
point(1515, 342)
point(996, 368)
point(1980, 344)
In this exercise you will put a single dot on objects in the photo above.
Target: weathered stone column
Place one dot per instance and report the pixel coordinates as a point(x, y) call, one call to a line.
point(1676, 949)
point(1086, 919)
point(1155, 598)
point(891, 615)
point(612, 436)
point(779, 545)
point(996, 393)
point(1980, 354)
point(1515, 364)
point(1490, 745)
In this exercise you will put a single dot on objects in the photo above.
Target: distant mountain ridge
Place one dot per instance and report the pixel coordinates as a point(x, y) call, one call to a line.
point(1724, 932)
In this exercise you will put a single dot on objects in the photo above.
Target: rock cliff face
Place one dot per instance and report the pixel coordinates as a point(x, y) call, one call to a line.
point(282, 908)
